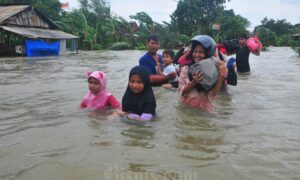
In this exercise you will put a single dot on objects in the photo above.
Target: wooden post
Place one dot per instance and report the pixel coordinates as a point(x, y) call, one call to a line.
point(77, 46)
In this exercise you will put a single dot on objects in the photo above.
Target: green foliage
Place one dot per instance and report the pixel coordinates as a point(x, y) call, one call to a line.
point(98, 29)
point(279, 27)
point(74, 22)
point(232, 26)
point(140, 48)
point(183, 38)
point(276, 33)
point(297, 49)
point(144, 19)
point(120, 46)
point(146, 26)
point(266, 36)
point(97, 13)
point(284, 40)
point(197, 16)
point(85, 45)
point(97, 47)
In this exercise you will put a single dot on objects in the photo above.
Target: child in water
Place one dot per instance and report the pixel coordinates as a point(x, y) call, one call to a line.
point(168, 58)
point(138, 101)
point(98, 98)
point(202, 47)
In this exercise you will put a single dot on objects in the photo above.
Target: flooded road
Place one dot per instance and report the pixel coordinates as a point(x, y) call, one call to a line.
point(254, 132)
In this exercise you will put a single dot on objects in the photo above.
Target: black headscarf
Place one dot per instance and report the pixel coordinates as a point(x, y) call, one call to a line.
point(143, 102)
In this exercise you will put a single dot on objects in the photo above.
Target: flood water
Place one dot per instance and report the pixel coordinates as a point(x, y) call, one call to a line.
point(254, 132)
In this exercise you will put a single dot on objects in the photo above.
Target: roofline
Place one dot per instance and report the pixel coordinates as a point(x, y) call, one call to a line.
point(15, 4)
point(51, 23)
point(38, 33)
point(297, 25)
point(9, 25)
point(45, 18)
point(11, 15)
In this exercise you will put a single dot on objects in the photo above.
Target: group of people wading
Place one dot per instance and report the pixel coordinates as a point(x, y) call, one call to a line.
point(199, 73)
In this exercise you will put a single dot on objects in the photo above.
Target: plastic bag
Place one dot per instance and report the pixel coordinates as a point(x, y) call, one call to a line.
point(254, 44)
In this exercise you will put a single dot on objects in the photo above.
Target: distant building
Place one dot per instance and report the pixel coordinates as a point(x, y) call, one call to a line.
point(26, 31)
point(296, 36)
point(134, 26)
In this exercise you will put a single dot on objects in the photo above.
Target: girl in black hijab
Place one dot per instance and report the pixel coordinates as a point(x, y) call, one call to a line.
point(138, 100)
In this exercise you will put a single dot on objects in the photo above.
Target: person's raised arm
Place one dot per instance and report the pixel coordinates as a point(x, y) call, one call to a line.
point(257, 53)
point(184, 59)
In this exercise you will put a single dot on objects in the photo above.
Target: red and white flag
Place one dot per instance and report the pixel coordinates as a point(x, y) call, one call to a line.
point(64, 5)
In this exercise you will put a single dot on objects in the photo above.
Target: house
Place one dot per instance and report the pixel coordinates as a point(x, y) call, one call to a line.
point(26, 31)
point(296, 36)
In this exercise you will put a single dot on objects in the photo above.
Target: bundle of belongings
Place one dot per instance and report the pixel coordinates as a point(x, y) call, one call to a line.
point(210, 70)
point(231, 46)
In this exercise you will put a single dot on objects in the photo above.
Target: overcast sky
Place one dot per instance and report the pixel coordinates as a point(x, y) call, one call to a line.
point(253, 10)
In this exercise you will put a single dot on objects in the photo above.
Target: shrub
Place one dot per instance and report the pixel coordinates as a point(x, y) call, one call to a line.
point(97, 47)
point(140, 48)
point(297, 49)
point(120, 46)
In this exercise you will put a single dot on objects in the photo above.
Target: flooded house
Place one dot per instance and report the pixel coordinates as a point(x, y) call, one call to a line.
point(296, 36)
point(27, 32)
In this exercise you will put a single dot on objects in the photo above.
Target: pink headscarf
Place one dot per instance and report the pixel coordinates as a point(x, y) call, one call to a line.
point(96, 101)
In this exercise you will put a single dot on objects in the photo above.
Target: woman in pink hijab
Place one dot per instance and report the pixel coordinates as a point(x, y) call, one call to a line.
point(98, 98)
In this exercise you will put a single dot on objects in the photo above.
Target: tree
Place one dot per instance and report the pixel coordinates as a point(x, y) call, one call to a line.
point(74, 22)
point(145, 21)
point(277, 32)
point(232, 26)
point(146, 27)
point(196, 16)
point(102, 11)
point(97, 13)
point(279, 27)
point(266, 36)
point(124, 30)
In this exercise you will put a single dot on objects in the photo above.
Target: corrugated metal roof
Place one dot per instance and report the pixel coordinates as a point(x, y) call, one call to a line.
point(9, 11)
point(296, 35)
point(38, 33)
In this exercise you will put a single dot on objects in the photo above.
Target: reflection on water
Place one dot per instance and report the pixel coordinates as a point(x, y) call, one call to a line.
point(252, 134)
point(138, 136)
point(197, 137)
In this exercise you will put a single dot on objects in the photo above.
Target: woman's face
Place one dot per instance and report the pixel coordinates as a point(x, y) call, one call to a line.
point(198, 53)
point(136, 84)
point(94, 85)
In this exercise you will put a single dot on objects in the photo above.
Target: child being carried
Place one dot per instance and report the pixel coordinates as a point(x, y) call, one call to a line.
point(168, 58)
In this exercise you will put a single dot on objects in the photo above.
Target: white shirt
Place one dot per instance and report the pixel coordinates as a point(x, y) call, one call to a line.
point(169, 69)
